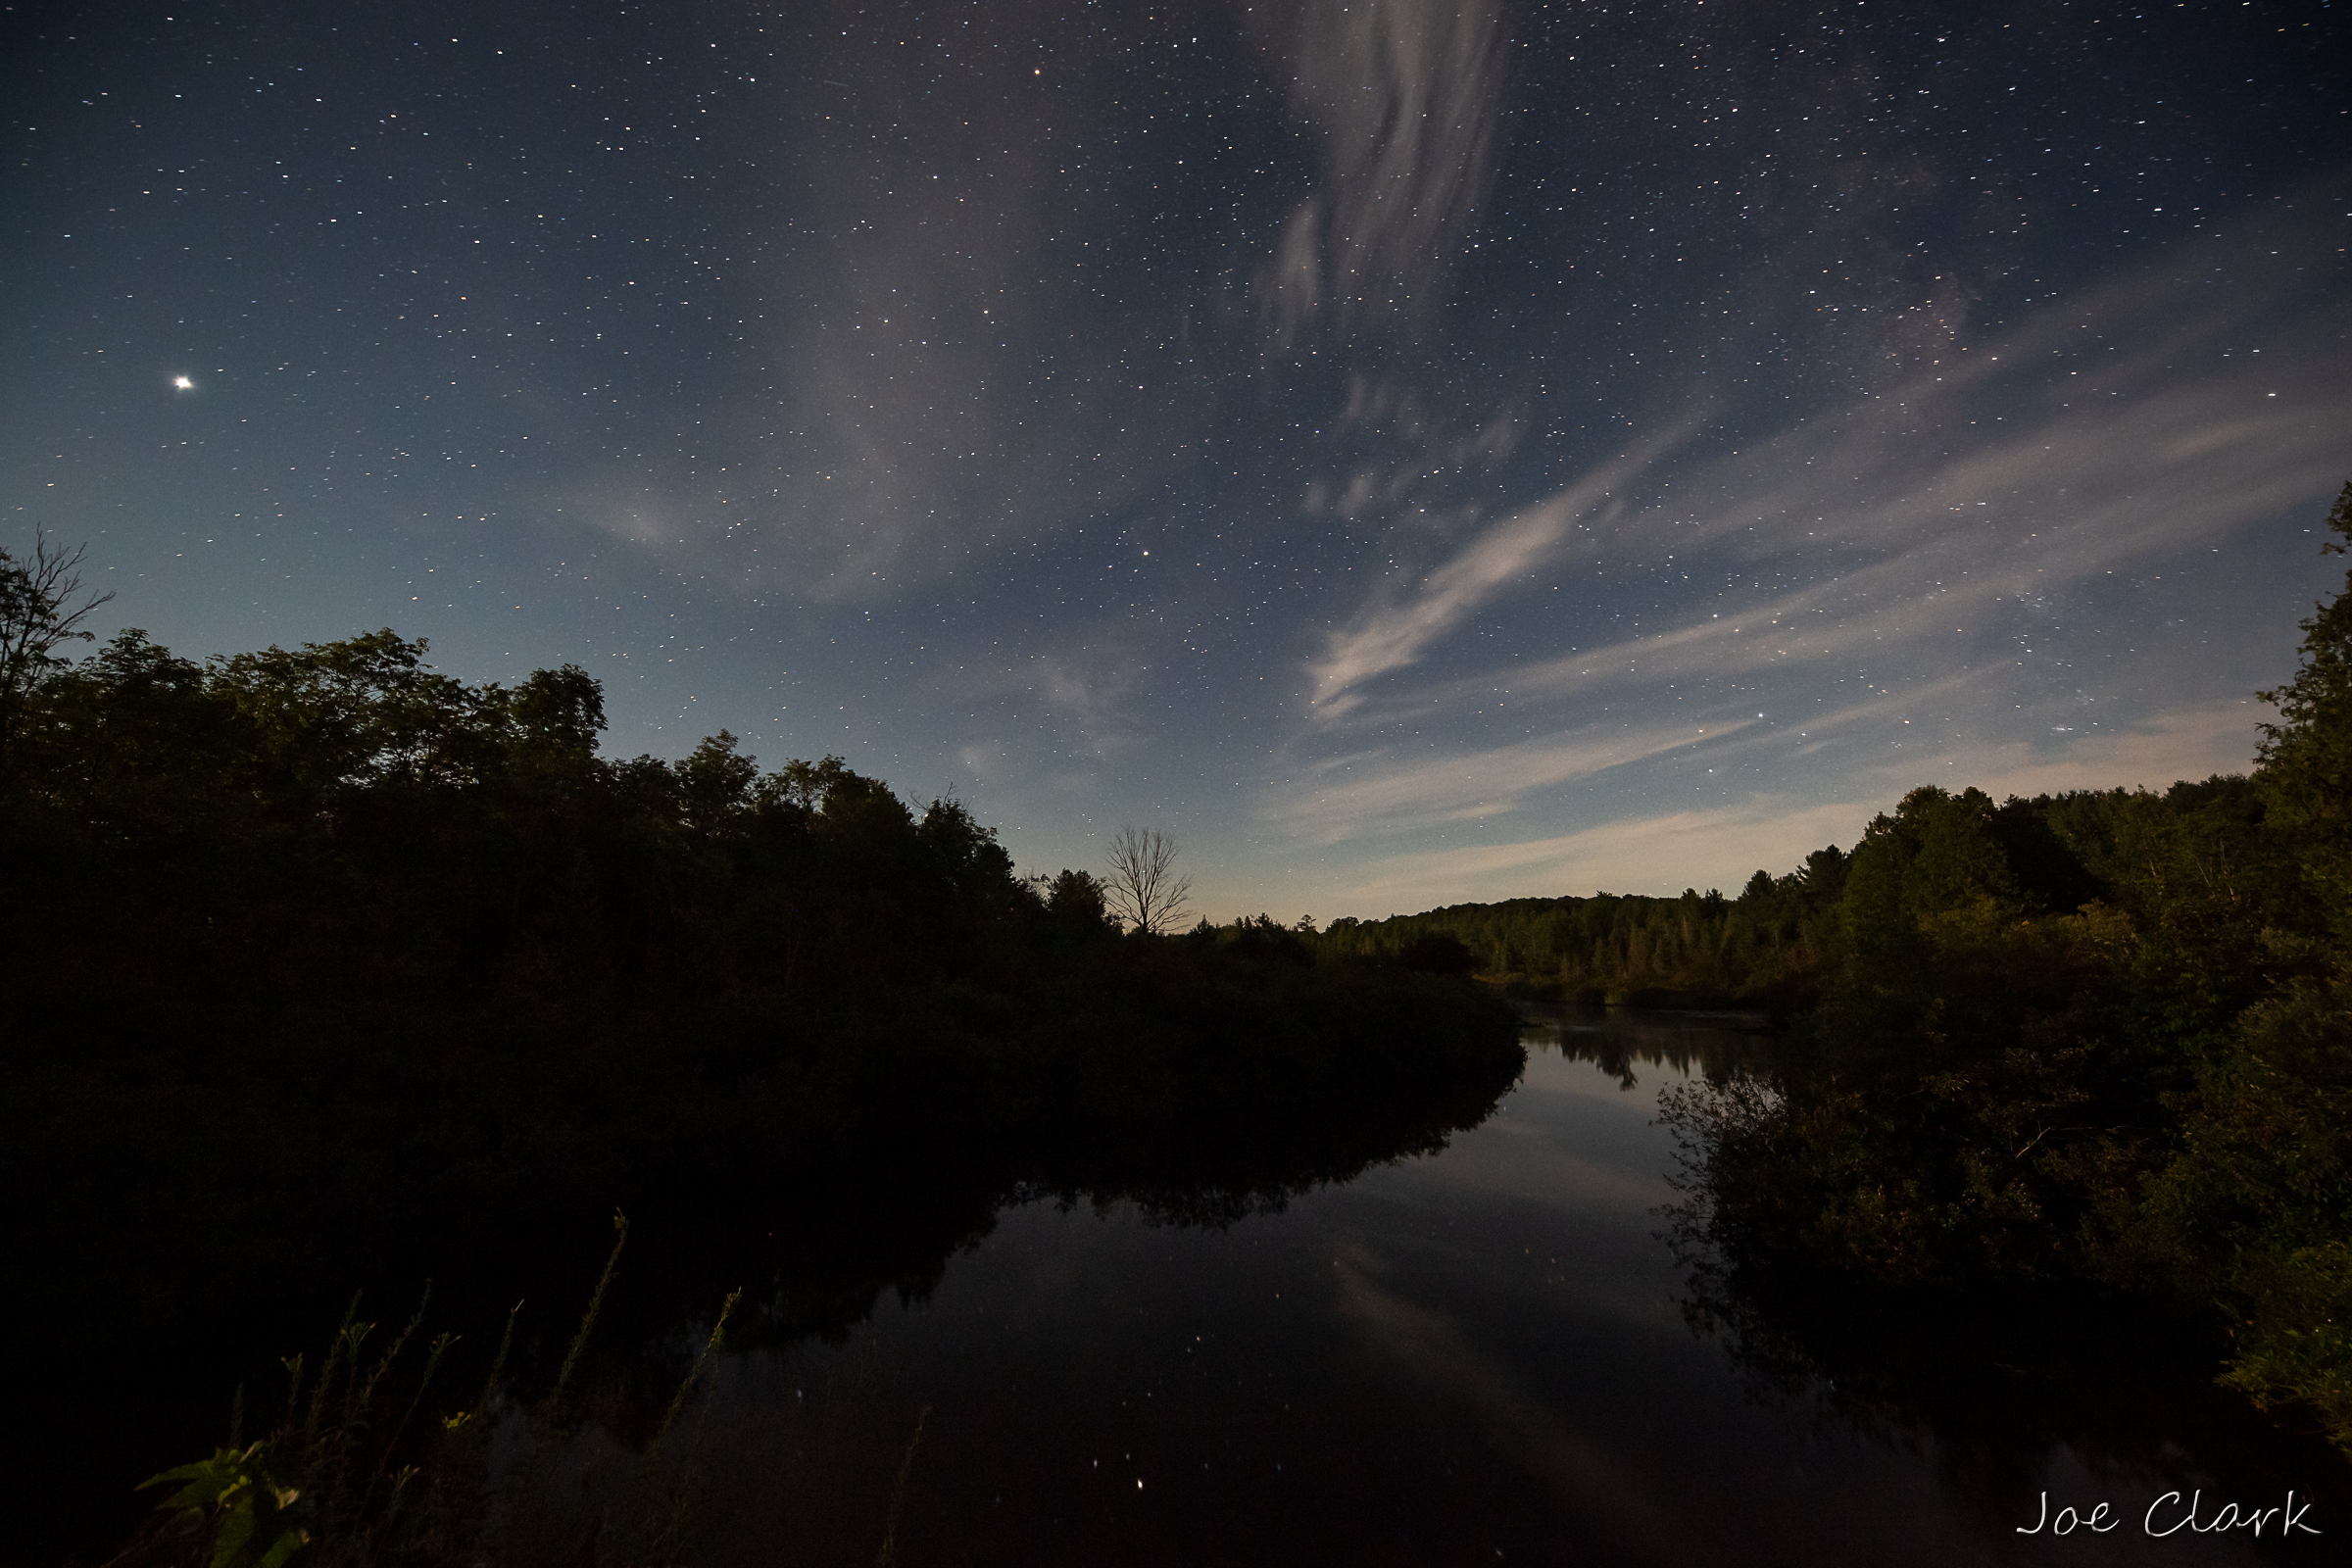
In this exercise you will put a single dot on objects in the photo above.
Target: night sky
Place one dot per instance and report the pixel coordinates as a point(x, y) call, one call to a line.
point(1410, 452)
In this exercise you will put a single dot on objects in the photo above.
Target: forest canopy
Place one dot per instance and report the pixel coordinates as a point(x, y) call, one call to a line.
point(312, 953)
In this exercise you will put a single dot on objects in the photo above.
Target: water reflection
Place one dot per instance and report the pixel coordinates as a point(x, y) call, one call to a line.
point(826, 1252)
point(1703, 1045)
point(825, 1247)
point(1484, 1352)
point(2009, 1396)
point(1437, 1325)
point(2022, 1400)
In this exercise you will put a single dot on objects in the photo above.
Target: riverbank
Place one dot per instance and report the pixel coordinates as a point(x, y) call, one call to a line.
point(191, 1209)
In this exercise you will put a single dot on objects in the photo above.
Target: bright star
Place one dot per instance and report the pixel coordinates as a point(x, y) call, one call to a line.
point(183, 383)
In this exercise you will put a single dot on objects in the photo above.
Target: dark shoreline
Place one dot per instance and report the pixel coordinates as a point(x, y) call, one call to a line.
point(176, 1253)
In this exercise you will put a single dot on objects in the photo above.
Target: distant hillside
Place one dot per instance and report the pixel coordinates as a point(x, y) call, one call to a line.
point(1764, 949)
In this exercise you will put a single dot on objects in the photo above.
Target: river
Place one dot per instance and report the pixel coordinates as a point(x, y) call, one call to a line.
point(1483, 1354)
point(1481, 1351)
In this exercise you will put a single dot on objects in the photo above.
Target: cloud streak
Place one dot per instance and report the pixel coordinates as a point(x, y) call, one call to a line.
point(1965, 577)
point(1658, 853)
point(1584, 1472)
point(1347, 795)
point(1403, 96)
point(1389, 634)
point(1662, 853)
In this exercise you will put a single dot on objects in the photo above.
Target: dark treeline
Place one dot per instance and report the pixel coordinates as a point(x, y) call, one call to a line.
point(290, 927)
point(2095, 1041)
point(1764, 949)
point(321, 967)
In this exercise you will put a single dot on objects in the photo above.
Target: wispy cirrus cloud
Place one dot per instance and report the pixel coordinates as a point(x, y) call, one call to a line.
point(1395, 630)
point(1393, 635)
point(1665, 851)
point(1346, 796)
point(1385, 790)
point(1656, 853)
point(2190, 743)
point(1975, 574)
point(1403, 96)
point(2101, 433)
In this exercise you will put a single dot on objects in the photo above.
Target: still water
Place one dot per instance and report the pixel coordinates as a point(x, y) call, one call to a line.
point(1480, 1354)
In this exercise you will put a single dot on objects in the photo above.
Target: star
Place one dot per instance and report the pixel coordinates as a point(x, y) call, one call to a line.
point(183, 383)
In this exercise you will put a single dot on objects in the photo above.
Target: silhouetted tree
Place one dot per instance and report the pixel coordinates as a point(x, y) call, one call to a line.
point(42, 604)
point(1078, 904)
point(1145, 889)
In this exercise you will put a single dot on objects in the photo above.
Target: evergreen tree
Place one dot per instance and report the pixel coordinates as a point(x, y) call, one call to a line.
point(2306, 758)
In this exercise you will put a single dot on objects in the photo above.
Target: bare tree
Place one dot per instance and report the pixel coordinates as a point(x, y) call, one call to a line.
point(41, 605)
point(1143, 888)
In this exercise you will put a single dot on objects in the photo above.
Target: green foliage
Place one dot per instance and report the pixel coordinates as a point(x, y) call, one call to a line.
point(2254, 1207)
point(1990, 1080)
point(234, 1505)
point(1763, 950)
point(331, 1487)
point(2296, 1346)
point(2103, 1037)
point(2306, 758)
point(325, 1485)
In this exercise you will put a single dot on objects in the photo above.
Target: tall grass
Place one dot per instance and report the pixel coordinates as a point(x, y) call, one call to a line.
point(494, 1481)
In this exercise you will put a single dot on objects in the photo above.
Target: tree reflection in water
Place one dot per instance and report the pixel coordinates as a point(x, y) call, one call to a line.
point(841, 1241)
point(807, 1421)
point(1711, 1046)
point(2000, 1388)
